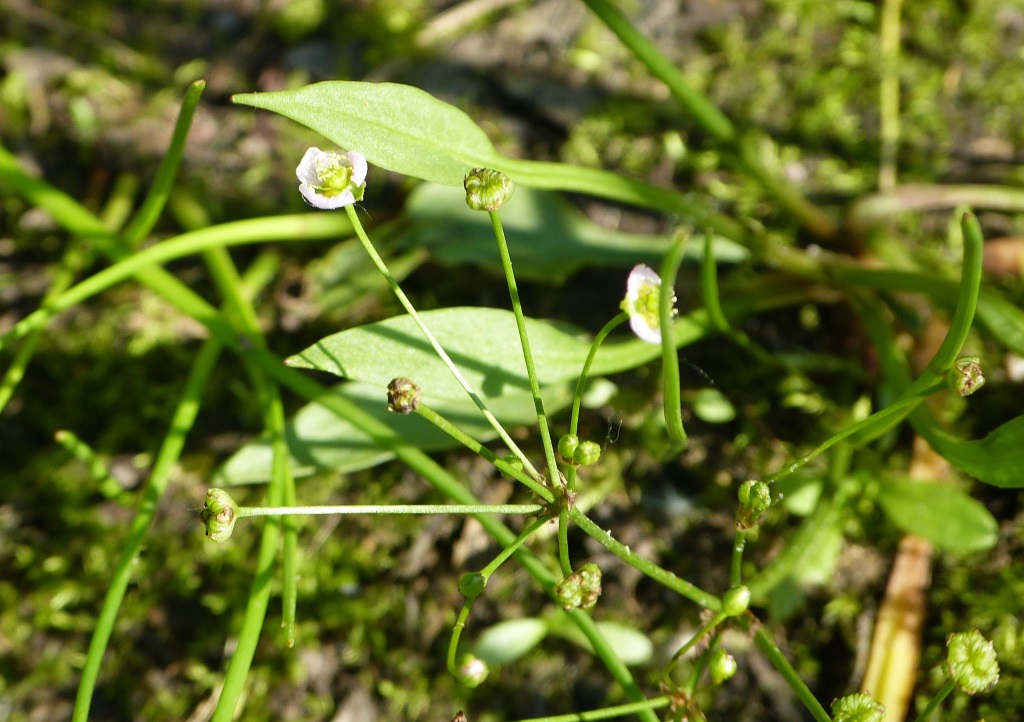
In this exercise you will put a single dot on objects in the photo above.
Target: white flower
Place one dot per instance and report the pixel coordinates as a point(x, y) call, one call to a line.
point(331, 180)
point(643, 293)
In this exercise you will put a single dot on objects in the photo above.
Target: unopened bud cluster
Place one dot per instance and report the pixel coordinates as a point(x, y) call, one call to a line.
point(487, 189)
point(219, 514)
point(722, 665)
point(965, 376)
point(755, 499)
point(472, 671)
point(581, 589)
point(578, 453)
point(403, 396)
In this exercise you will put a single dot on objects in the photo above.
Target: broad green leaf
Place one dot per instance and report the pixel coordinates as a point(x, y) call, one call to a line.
point(994, 459)
point(549, 239)
point(945, 516)
point(632, 646)
point(320, 441)
point(508, 641)
point(397, 127)
point(483, 343)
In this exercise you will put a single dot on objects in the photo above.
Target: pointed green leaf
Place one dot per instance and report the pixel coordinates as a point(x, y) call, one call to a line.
point(397, 127)
point(483, 343)
point(994, 459)
point(942, 514)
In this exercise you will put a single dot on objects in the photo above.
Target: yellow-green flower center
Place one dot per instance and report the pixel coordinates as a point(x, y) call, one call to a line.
point(335, 175)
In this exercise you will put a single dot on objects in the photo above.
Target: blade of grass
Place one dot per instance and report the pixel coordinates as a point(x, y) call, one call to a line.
point(714, 122)
point(153, 204)
point(181, 422)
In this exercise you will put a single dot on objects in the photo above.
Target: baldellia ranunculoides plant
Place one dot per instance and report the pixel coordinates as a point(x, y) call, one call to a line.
point(469, 375)
point(651, 314)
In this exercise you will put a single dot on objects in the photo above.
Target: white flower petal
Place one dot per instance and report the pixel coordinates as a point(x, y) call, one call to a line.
point(639, 277)
point(307, 172)
point(358, 161)
point(643, 331)
point(327, 203)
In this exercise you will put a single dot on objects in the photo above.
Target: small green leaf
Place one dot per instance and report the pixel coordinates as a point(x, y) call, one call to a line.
point(710, 405)
point(397, 127)
point(945, 516)
point(508, 641)
point(994, 459)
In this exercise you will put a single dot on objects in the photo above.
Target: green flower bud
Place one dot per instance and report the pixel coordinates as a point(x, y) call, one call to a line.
point(722, 665)
point(755, 498)
point(567, 446)
point(581, 589)
point(586, 454)
point(487, 190)
point(472, 584)
point(403, 396)
point(219, 514)
point(736, 601)
point(857, 708)
point(472, 671)
point(965, 376)
point(971, 661)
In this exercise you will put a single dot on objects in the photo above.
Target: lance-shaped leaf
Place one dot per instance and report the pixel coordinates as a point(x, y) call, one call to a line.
point(397, 127)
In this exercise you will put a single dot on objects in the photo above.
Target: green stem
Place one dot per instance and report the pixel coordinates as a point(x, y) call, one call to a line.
point(182, 420)
point(418, 461)
point(669, 352)
point(874, 425)
point(486, 572)
point(649, 568)
point(155, 200)
point(141, 265)
point(709, 287)
point(889, 93)
point(231, 286)
point(736, 567)
point(259, 593)
point(933, 704)
point(323, 510)
point(480, 450)
point(704, 631)
point(106, 483)
point(608, 712)
point(442, 354)
point(524, 340)
point(577, 397)
point(767, 645)
point(605, 184)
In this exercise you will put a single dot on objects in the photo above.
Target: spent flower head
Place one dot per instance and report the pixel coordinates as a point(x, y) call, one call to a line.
point(331, 180)
point(643, 294)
